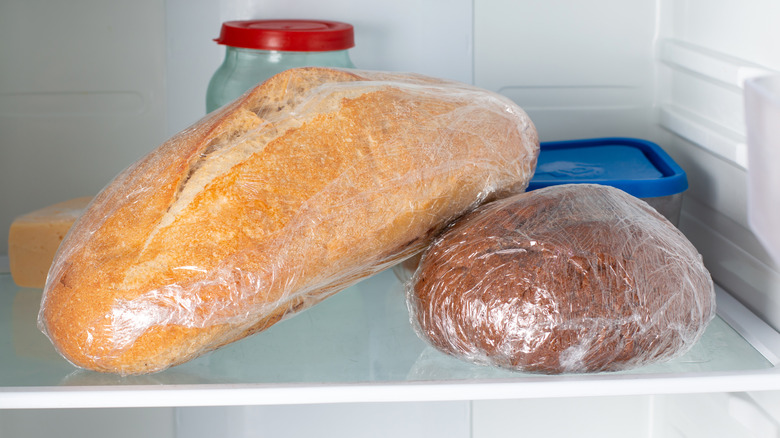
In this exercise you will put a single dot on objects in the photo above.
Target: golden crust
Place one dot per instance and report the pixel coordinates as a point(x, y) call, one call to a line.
point(311, 181)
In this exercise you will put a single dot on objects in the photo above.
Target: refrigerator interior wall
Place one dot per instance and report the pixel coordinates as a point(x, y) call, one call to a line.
point(681, 416)
point(94, 85)
point(88, 423)
point(668, 416)
point(429, 37)
point(82, 87)
point(580, 69)
point(667, 70)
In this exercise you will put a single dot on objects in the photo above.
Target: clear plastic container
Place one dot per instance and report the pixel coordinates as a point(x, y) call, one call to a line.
point(258, 49)
point(762, 112)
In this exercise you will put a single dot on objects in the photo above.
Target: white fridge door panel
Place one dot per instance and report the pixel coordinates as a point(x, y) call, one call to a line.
point(706, 50)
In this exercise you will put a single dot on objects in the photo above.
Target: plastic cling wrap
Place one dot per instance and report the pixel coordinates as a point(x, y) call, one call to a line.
point(570, 278)
point(310, 182)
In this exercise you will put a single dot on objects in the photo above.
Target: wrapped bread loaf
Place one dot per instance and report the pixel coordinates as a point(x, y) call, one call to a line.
point(566, 279)
point(313, 180)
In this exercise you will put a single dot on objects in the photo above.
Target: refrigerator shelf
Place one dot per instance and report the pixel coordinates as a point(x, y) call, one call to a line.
point(358, 346)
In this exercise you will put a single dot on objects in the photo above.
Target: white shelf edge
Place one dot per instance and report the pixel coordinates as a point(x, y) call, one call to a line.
point(257, 395)
point(729, 146)
point(710, 64)
point(755, 331)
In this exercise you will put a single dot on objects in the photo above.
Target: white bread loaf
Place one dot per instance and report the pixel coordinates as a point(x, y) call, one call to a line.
point(310, 182)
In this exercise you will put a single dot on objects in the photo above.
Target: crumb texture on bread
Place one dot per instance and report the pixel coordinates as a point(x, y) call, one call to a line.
point(566, 279)
point(308, 183)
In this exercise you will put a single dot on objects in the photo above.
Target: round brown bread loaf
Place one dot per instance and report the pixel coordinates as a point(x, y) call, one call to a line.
point(574, 278)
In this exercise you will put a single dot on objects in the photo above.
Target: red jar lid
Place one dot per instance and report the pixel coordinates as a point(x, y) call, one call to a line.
point(288, 35)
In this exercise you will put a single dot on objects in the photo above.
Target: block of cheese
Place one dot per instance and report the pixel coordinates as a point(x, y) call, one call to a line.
point(34, 237)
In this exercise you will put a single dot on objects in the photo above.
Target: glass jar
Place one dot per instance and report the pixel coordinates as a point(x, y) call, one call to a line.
point(258, 49)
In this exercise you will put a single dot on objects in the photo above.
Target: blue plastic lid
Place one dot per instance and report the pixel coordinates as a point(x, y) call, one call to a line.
point(638, 167)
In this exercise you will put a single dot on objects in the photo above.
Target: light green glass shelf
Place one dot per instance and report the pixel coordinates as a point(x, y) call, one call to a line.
point(359, 336)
